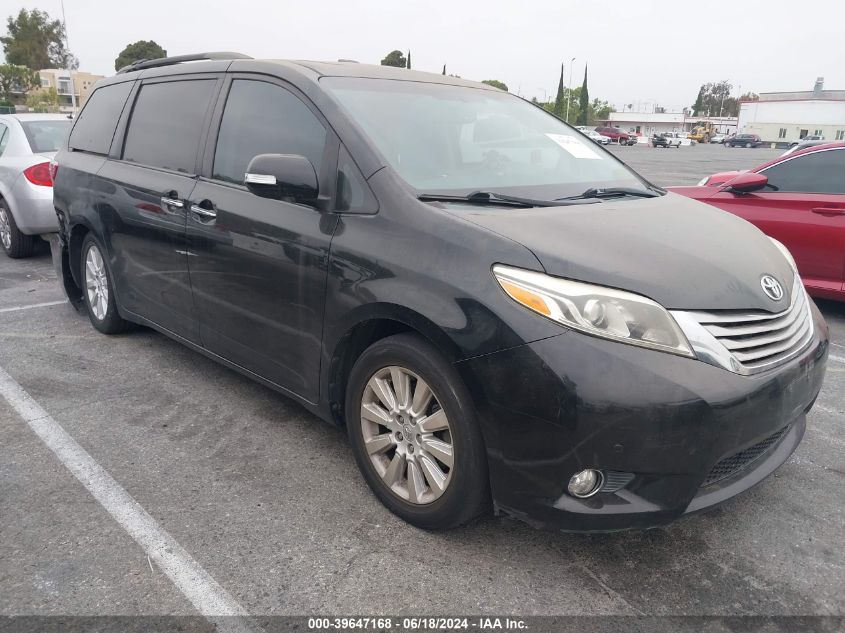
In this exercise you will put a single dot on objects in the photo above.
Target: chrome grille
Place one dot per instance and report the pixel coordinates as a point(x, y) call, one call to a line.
point(753, 341)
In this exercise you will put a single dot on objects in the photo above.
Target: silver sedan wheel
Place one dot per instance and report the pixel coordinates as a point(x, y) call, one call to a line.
point(5, 229)
point(96, 283)
point(407, 435)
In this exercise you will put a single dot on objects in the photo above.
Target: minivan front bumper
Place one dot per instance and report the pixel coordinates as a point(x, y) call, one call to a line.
point(680, 435)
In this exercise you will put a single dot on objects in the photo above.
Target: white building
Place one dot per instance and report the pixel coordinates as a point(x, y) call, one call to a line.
point(789, 116)
point(648, 123)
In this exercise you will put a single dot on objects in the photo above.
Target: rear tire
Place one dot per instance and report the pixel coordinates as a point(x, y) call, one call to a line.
point(15, 244)
point(423, 456)
point(98, 289)
point(748, 146)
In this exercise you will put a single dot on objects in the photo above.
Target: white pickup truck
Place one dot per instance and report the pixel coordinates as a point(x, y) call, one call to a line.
point(676, 139)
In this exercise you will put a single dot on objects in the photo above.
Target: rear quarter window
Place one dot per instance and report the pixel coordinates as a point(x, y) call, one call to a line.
point(97, 122)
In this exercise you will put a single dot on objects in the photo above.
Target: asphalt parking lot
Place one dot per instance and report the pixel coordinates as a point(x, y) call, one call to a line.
point(267, 500)
point(688, 164)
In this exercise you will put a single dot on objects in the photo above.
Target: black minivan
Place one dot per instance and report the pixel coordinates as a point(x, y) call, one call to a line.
point(500, 312)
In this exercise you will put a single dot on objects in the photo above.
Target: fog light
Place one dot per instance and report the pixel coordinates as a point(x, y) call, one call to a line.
point(586, 483)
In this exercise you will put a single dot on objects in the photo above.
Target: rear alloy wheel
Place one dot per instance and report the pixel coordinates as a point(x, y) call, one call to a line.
point(747, 145)
point(413, 430)
point(98, 290)
point(15, 244)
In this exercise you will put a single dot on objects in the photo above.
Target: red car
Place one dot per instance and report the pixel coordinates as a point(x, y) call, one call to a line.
point(616, 135)
point(799, 200)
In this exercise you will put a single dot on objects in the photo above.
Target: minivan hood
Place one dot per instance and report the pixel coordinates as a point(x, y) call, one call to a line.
point(684, 254)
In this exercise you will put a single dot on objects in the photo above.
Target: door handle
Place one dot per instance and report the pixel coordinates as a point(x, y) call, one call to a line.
point(829, 210)
point(203, 212)
point(172, 202)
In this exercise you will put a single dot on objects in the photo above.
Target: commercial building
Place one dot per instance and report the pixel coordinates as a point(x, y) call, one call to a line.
point(60, 80)
point(785, 117)
point(648, 123)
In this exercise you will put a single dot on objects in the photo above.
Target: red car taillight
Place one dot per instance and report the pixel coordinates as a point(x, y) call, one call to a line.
point(39, 174)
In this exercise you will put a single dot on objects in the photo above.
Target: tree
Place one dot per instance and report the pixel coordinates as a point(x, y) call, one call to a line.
point(599, 110)
point(714, 99)
point(583, 103)
point(496, 84)
point(560, 106)
point(35, 41)
point(16, 80)
point(698, 106)
point(142, 49)
point(409, 59)
point(750, 96)
point(43, 100)
point(395, 58)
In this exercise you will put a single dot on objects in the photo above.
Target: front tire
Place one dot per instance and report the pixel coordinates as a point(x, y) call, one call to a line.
point(98, 289)
point(414, 433)
point(15, 244)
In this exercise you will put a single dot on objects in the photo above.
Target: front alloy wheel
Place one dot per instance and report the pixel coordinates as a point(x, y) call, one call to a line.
point(413, 429)
point(407, 435)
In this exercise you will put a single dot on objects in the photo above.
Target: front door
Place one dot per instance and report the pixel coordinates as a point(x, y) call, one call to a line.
point(258, 266)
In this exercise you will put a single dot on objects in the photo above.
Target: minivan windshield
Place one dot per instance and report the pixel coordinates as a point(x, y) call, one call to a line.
point(457, 140)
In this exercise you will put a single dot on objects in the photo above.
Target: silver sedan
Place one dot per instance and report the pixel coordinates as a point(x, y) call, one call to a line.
point(27, 144)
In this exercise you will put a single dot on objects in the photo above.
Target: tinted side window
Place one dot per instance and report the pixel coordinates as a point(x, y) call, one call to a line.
point(95, 126)
point(819, 172)
point(262, 118)
point(167, 123)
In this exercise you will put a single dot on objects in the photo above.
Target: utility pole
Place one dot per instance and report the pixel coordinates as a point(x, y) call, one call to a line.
point(569, 90)
point(69, 70)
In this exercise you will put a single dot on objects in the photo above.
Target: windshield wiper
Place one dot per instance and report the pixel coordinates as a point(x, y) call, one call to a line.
point(615, 192)
point(489, 197)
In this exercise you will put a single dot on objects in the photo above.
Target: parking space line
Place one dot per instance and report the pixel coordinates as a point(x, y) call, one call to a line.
point(209, 598)
point(34, 305)
point(836, 359)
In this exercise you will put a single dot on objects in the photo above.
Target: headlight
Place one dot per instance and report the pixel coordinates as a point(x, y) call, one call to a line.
point(786, 253)
point(605, 312)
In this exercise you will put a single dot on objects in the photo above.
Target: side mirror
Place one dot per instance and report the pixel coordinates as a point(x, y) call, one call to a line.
point(280, 176)
point(746, 182)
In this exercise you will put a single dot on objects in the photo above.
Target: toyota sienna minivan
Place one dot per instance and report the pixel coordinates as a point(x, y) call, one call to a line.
point(500, 313)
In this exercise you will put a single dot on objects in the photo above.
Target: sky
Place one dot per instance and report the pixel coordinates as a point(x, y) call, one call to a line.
point(640, 52)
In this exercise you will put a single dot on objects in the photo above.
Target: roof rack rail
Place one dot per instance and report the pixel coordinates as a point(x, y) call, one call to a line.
point(178, 59)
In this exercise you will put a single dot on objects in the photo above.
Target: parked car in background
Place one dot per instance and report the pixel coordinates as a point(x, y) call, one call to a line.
point(798, 199)
point(680, 138)
point(803, 145)
point(744, 140)
point(809, 137)
point(601, 139)
point(499, 314)
point(593, 135)
point(718, 138)
point(616, 135)
point(664, 140)
point(27, 143)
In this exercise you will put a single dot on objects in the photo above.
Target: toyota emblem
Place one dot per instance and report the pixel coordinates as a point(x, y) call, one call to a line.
point(771, 287)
